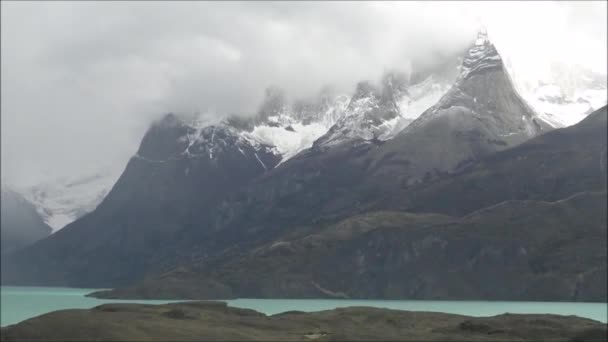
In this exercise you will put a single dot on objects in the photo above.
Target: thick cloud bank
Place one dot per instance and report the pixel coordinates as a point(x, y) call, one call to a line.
point(82, 80)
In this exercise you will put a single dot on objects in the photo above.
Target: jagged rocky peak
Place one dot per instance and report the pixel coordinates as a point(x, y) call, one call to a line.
point(325, 107)
point(395, 83)
point(273, 107)
point(277, 110)
point(307, 111)
point(176, 137)
point(481, 56)
point(366, 116)
point(380, 112)
point(364, 90)
point(214, 141)
point(161, 141)
point(480, 114)
point(274, 104)
point(485, 90)
point(292, 126)
point(279, 127)
point(373, 103)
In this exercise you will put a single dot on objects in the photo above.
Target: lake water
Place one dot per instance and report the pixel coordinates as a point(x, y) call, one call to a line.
point(20, 303)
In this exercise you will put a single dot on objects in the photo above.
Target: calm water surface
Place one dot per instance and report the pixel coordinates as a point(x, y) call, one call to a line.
point(20, 303)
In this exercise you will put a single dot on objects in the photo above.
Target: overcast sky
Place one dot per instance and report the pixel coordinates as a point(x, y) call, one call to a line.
point(81, 81)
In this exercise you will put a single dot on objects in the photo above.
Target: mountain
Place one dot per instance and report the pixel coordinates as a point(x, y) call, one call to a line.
point(516, 250)
point(171, 190)
point(527, 223)
point(62, 201)
point(367, 111)
point(206, 195)
point(378, 113)
point(350, 169)
point(482, 113)
point(292, 127)
point(564, 94)
point(180, 167)
point(372, 112)
point(549, 167)
point(183, 166)
point(21, 225)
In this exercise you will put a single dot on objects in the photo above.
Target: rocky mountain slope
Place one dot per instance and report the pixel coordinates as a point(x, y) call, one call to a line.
point(531, 218)
point(481, 114)
point(555, 251)
point(550, 167)
point(178, 169)
point(562, 99)
point(200, 200)
point(184, 170)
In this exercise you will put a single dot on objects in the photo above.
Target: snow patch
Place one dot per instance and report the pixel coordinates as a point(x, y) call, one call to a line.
point(62, 201)
point(258, 158)
point(288, 143)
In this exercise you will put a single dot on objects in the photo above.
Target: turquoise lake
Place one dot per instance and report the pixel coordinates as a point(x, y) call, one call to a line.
point(20, 303)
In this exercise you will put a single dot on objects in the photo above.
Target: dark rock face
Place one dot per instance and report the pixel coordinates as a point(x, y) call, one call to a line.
point(21, 225)
point(178, 171)
point(517, 250)
point(550, 167)
point(214, 321)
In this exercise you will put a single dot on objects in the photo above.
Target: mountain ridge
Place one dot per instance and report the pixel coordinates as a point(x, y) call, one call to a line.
point(196, 190)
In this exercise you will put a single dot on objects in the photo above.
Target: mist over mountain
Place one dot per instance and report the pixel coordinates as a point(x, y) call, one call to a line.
point(156, 58)
point(21, 225)
point(205, 194)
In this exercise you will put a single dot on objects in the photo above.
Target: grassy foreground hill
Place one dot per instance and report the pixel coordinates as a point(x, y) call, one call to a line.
point(215, 321)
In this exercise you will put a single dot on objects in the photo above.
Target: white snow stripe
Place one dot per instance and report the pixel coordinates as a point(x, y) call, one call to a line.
point(258, 158)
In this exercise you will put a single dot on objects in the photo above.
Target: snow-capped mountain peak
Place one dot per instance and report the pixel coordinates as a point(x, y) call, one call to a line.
point(481, 56)
point(291, 128)
point(62, 201)
point(290, 132)
point(365, 116)
point(485, 90)
point(279, 128)
point(381, 113)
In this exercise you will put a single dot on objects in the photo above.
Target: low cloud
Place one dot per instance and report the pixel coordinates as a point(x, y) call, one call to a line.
point(81, 81)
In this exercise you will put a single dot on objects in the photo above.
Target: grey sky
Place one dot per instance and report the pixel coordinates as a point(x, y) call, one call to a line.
point(81, 81)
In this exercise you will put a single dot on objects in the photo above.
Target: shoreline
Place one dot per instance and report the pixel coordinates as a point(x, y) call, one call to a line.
point(20, 304)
